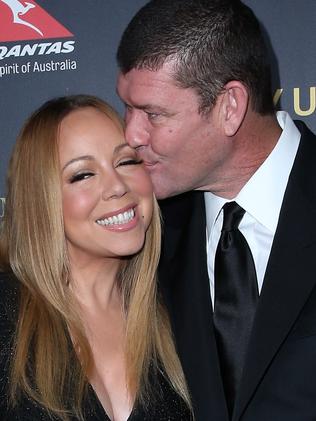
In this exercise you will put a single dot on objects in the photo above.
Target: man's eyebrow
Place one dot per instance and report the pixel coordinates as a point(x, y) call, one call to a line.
point(147, 107)
point(152, 108)
point(79, 158)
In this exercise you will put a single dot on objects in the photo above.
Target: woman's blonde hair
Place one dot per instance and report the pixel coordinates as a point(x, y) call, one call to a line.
point(47, 365)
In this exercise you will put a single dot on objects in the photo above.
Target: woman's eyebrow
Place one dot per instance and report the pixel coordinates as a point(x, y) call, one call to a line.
point(117, 149)
point(79, 158)
point(121, 146)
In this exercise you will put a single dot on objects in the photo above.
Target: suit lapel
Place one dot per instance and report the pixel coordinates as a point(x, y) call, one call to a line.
point(290, 274)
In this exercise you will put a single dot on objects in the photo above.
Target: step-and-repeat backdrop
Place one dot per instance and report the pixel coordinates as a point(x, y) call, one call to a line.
point(52, 48)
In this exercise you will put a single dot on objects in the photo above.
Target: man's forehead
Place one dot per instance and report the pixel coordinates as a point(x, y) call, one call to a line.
point(138, 82)
point(155, 92)
point(163, 74)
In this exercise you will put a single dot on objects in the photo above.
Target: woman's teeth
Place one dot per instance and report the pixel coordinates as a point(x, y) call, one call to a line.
point(119, 219)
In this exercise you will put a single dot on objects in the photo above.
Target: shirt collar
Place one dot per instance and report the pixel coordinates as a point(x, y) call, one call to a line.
point(262, 195)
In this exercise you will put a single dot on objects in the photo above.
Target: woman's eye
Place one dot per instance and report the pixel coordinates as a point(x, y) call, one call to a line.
point(81, 176)
point(130, 162)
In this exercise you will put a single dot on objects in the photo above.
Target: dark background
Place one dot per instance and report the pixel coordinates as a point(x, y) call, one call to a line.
point(97, 25)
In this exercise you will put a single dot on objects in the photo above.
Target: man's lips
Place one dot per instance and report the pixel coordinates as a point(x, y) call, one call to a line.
point(150, 164)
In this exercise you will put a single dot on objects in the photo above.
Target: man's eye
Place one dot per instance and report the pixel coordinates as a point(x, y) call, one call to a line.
point(152, 116)
point(130, 162)
point(128, 109)
point(81, 176)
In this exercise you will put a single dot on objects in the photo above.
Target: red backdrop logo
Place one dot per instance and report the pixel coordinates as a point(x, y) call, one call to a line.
point(25, 20)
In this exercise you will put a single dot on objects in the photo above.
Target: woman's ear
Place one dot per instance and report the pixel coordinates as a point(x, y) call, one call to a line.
point(234, 105)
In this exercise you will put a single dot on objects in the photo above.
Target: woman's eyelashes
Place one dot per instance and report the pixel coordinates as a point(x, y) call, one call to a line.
point(84, 175)
point(81, 176)
point(130, 161)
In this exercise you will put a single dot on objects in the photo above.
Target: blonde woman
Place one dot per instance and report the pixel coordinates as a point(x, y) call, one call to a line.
point(83, 334)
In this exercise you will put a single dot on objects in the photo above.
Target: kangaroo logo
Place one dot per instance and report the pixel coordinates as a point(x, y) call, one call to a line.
point(19, 9)
point(27, 20)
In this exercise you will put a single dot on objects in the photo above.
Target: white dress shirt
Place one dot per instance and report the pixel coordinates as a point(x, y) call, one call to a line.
point(261, 197)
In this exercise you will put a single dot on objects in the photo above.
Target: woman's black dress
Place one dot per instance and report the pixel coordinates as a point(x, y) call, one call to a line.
point(167, 406)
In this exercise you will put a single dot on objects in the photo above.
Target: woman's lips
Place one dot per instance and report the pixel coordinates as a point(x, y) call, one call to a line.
point(120, 220)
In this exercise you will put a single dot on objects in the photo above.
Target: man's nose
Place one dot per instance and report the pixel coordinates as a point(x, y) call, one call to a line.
point(136, 132)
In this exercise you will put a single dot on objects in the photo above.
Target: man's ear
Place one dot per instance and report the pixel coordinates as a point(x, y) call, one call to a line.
point(234, 105)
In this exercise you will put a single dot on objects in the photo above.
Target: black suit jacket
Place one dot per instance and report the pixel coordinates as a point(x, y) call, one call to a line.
point(279, 380)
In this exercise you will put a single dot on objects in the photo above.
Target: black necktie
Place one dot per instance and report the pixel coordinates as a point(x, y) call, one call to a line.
point(236, 295)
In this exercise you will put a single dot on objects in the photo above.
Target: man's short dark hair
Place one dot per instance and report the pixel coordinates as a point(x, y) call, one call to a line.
point(210, 42)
